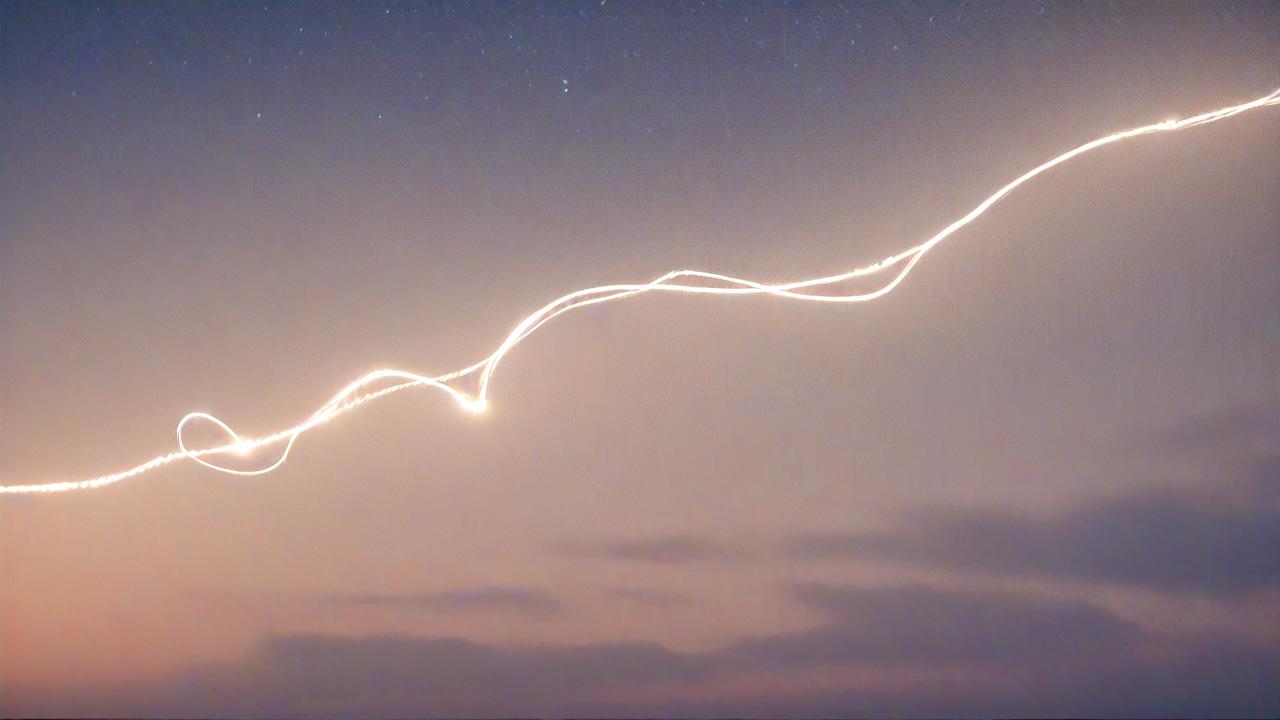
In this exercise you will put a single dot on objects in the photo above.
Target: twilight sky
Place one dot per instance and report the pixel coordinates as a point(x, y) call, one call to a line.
point(1040, 478)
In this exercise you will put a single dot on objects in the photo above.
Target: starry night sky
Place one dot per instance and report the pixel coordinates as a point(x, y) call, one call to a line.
point(1040, 478)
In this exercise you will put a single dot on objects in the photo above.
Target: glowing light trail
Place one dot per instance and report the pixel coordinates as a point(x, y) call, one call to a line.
point(354, 394)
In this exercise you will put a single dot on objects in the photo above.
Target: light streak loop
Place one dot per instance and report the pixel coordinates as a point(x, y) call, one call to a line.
point(354, 394)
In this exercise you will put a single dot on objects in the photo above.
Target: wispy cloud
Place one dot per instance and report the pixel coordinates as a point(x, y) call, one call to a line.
point(486, 598)
point(662, 550)
point(1239, 429)
point(654, 597)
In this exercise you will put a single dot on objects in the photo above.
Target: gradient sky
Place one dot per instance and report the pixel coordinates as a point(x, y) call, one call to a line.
point(1041, 478)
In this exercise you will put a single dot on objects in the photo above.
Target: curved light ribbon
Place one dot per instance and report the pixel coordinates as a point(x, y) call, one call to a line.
point(355, 394)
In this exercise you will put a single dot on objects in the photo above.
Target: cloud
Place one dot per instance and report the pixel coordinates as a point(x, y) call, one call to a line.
point(654, 597)
point(1049, 657)
point(915, 625)
point(662, 550)
point(486, 598)
point(1189, 677)
point(1218, 434)
point(1161, 540)
point(399, 676)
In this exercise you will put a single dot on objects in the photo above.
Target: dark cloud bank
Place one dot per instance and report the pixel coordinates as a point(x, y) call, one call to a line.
point(1041, 655)
point(1212, 543)
point(1049, 658)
